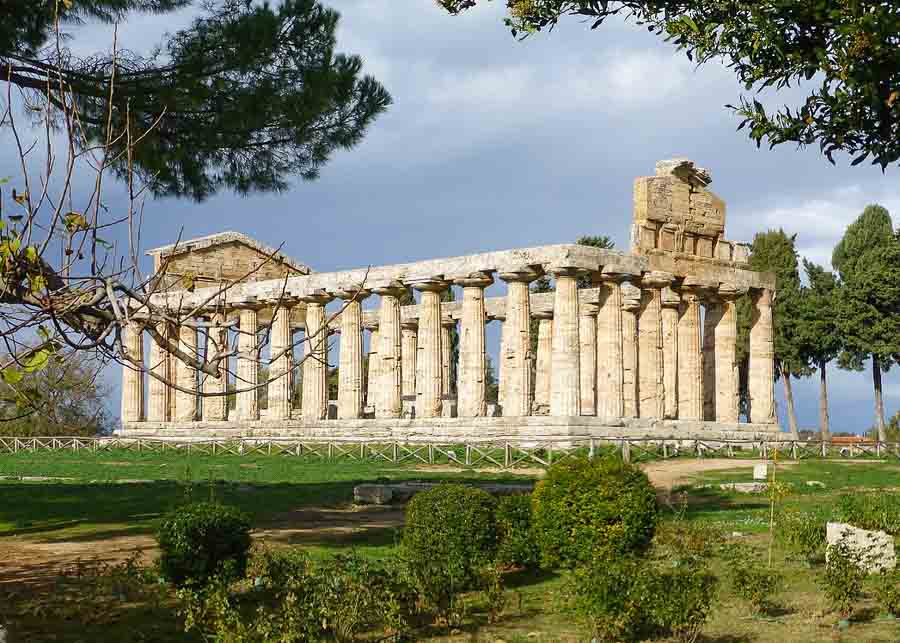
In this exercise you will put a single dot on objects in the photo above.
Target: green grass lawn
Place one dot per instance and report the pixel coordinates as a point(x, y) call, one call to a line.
point(268, 487)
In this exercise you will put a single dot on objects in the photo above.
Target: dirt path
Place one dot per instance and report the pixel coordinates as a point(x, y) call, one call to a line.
point(669, 473)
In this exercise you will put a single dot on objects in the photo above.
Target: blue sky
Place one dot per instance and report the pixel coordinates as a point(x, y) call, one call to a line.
point(494, 143)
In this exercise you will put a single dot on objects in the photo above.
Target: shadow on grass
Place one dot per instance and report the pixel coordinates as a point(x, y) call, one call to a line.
point(527, 577)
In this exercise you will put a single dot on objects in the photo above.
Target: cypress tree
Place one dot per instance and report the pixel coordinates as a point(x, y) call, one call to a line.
point(820, 337)
point(868, 262)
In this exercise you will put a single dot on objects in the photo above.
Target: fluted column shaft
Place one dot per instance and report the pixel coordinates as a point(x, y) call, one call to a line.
point(670, 302)
point(711, 317)
point(516, 356)
point(587, 337)
point(158, 408)
point(609, 352)
point(631, 305)
point(247, 380)
point(350, 381)
point(761, 373)
point(186, 400)
point(172, 374)
point(373, 370)
point(409, 348)
point(565, 389)
point(650, 350)
point(429, 375)
point(447, 326)
point(471, 385)
point(315, 367)
point(690, 369)
point(390, 383)
point(728, 382)
point(132, 372)
point(281, 353)
point(215, 407)
point(544, 367)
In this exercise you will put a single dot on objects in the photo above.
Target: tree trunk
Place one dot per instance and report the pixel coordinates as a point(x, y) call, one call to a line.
point(879, 399)
point(791, 411)
point(824, 423)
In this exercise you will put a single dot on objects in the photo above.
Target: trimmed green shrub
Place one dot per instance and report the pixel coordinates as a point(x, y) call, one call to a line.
point(516, 541)
point(887, 591)
point(875, 511)
point(201, 540)
point(802, 533)
point(585, 508)
point(450, 536)
point(612, 596)
point(754, 582)
point(681, 601)
point(843, 577)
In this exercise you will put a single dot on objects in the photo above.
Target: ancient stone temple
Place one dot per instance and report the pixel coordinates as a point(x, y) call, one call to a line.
point(628, 343)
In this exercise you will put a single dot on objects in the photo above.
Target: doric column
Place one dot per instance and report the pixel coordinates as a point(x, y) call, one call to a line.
point(761, 373)
point(373, 366)
point(186, 377)
point(587, 338)
point(172, 374)
point(215, 407)
point(516, 357)
point(428, 362)
point(247, 379)
point(712, 315)
point(501, 362)
point(133, 372)
point(728, 381)
point(281, 362)
point(471, 385)
point(609, 351)
point(670, 303)
point(408, 350)
point(650, 351)
point(350, 381)
point(159, 390)
point(388, 403)
point(544, 366)
point(565, 389)
point(315, 367)
point(631, 305)
point(690, 369)
point(447, 326)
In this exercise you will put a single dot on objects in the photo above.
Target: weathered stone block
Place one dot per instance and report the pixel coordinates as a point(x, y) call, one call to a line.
point(372, 494)
point(760, 471)
point(874, 548)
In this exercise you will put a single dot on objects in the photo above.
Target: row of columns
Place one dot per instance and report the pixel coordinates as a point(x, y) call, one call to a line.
point(636, 352)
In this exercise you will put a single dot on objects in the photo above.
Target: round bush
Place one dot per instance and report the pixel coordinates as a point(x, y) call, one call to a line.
point(516, 544)
point(450, 534)
point(584, 508)
point(201, 540)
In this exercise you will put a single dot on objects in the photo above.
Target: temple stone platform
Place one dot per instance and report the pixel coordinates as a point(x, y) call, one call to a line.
point(529, 428)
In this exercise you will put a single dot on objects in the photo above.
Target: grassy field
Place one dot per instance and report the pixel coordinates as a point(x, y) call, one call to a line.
point(309, 504)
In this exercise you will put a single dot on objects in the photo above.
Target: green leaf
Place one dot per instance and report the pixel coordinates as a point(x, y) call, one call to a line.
point(686, 19)
point(75, 221)
point(11, 375)
point(38, 361)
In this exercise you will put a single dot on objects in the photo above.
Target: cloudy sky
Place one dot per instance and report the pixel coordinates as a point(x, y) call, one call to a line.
point(494, 143)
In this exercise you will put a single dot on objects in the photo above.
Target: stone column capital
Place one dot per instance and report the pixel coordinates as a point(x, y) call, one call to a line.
point(475, 280)
point(448, 322)
point(657, 279)
point(393, 289)
point(566, 271)
point(588, 309)
point(542, 314)
point(631, 296)
point(409, 324)
point(525, 274)
point(316, 297)
point(670, 298)
point(351, 293)
point(437, 284)
point(730, 292)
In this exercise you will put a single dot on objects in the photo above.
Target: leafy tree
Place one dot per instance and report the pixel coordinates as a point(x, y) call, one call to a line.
point(845, 53)
point(68, 393)
point(868, 262)
point(818, 331)
point(775, 251)
point(246, 96)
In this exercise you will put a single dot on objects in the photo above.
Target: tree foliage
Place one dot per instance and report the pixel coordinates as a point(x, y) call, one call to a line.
point(845, 55)
point(246, 96)
point(818, 331)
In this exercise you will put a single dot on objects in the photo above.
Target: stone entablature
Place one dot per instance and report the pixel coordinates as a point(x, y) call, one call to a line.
point(651, 340)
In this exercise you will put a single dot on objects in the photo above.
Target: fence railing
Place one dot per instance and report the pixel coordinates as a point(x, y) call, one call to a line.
point(489, 453)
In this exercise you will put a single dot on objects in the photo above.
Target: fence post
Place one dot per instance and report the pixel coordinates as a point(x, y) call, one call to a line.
point(626, 450)
point(468, 455)
point(793, 450)
point(591, 448)
point(395, 453)
point(507, 455)
point(430, 453)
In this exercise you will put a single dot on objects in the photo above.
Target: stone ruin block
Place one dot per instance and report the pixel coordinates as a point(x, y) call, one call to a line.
point(874, 548)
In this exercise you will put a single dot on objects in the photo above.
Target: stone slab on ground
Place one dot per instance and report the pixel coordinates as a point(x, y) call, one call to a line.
point(761, 471)
point(744, 487)
point(875, 548)
point(383, 494)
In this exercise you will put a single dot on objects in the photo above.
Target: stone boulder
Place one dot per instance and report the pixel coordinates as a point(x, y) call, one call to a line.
point(874, 548)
